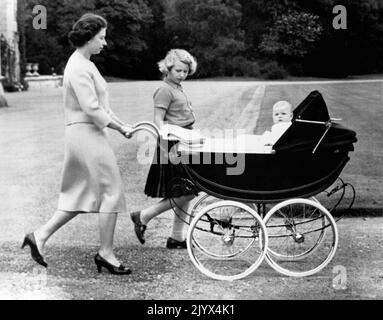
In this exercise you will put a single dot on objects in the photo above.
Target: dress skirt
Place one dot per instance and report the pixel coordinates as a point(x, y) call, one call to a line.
point(165, 179)
point(91, 180)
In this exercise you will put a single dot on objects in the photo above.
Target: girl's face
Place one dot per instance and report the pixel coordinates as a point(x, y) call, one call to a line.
point(97, 43)
point(178, 72)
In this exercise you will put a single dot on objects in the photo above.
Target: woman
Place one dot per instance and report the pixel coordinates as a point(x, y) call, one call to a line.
point(91, 180)
point(171, 105)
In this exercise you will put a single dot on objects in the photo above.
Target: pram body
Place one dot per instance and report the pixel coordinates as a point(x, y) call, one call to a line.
point(293, 169)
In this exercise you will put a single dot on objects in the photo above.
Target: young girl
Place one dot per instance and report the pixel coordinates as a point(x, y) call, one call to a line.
point(171, 105)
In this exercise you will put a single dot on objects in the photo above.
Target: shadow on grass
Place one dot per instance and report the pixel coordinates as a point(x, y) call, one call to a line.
point(358, 212)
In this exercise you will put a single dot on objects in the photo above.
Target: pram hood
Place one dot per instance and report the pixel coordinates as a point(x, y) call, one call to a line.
point(301, 136)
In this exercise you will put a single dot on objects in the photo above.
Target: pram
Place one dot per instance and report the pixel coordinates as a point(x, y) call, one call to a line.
point(271, 210)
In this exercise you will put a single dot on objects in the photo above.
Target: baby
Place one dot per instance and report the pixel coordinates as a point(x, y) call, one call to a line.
point(251, 143)
point(282, 115)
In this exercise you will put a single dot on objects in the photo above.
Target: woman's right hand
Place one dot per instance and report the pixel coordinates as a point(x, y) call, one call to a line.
point(126, 131)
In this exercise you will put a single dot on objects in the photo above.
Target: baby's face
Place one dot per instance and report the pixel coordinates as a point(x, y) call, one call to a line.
point(282, 113)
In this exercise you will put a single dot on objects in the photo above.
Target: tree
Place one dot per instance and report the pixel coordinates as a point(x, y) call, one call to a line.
point(127, 23)
point(157, 39)
point(228, 37)
point(127, 20)
point(355, 50)
point(210, 30)
point(292, 35)
point(257, 16)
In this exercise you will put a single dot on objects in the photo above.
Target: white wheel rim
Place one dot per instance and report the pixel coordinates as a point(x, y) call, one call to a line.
point(207, 272)
point(269, 253)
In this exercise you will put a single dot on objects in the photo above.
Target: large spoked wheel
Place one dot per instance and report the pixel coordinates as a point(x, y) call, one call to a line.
point(303, 237)
point(227, 240)
point(200, 202)
point(293, 256)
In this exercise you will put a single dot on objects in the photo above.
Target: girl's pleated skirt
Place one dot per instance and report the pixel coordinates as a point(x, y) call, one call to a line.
point(166, 179)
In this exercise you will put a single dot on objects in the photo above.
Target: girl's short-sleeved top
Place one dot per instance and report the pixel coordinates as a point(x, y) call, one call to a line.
point(174, 100)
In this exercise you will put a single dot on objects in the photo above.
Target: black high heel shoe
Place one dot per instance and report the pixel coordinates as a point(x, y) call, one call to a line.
point(101, 262)
point(30, 241)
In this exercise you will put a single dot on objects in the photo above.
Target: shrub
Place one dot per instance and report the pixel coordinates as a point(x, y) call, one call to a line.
point(272, 70)
point(240, 66)
point(12, 86)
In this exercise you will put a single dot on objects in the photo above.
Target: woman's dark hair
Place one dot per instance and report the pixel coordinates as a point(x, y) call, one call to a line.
point(85, 29)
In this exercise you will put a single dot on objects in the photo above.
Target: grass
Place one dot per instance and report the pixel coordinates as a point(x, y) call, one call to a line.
point(31, 144)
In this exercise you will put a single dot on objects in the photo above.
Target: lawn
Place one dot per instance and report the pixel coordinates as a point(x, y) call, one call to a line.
point(31, 144)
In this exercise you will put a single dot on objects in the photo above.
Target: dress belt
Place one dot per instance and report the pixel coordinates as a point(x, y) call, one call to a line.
point(77, 122)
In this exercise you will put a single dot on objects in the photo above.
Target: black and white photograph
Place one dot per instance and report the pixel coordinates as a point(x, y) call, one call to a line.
point(191, 154)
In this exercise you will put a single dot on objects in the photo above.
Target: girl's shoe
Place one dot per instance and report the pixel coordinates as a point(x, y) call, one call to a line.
point(174, 244)
point(139, 228)
point(101, 262)
point(29, 240)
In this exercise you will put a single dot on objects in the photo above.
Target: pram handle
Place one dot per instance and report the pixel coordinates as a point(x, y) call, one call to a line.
point(154, 130)
point(142, 125)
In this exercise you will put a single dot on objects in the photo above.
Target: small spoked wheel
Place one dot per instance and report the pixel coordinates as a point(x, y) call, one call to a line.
point(303, 237)
point(227, 240)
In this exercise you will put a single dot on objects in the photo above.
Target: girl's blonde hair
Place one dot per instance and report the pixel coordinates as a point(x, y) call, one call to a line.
point(175, 55)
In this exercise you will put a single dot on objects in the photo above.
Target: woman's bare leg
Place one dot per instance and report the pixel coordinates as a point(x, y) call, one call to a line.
point(107, 224)
point(43, 233)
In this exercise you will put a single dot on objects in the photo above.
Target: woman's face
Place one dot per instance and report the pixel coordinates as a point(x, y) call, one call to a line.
point(97, 43)
point(178, 72)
